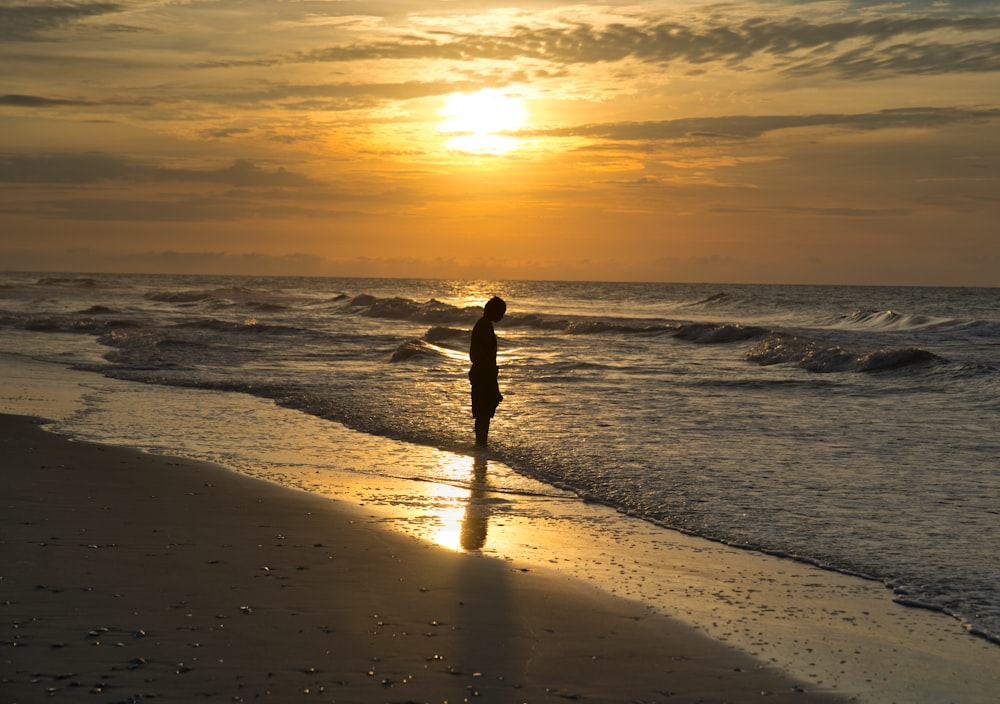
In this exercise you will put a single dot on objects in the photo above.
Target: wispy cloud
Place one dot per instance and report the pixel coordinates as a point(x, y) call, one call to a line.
point(182, 208)
point(746, 127)
point(908, 58)
point(95, 168)
point(37, 101)
point(819, 211)
point(913, 45)
point(30, 21)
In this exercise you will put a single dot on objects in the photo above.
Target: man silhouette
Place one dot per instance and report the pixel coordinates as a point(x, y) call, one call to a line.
point(486, 394)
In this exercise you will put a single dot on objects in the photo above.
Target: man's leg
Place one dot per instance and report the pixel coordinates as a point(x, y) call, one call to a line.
point(482, 430)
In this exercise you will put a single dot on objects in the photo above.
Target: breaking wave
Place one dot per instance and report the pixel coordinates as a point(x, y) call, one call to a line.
point(226, 296)
point(714, 299)
point(440, 334)
point(432, 311)
point(815, 357)
point(889, 320)
point(71, 282)
point(717, 333)
point(414, 348)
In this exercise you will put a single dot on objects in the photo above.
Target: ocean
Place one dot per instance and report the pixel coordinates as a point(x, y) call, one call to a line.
point(853, 428)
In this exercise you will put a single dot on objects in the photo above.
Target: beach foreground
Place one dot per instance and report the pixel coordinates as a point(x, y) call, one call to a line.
point(129, 576)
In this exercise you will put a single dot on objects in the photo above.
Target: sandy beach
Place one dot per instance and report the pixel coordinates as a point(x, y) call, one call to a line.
point(128, 576)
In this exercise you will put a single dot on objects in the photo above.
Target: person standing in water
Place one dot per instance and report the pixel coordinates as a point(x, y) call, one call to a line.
point(484, 374)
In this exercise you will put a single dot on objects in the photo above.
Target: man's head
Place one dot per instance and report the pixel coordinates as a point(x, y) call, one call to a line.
point(495, 309)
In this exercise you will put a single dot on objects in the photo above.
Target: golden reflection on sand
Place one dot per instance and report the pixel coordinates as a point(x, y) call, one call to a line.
point(461, 515)
point(475, 523)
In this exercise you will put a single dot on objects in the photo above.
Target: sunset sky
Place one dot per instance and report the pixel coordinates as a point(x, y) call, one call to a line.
point(790, 142)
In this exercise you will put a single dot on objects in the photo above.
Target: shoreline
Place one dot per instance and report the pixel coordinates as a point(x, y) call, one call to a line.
point(139, 576)
point(830, 631)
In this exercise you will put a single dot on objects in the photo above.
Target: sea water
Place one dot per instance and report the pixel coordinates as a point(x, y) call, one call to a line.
point(852, 428)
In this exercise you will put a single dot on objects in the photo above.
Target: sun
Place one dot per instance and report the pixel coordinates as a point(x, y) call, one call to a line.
point(478, 121)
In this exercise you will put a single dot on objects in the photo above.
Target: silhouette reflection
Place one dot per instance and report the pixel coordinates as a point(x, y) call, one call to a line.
point(475, 523)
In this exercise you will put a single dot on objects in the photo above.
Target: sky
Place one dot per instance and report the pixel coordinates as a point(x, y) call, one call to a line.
point(680, 141)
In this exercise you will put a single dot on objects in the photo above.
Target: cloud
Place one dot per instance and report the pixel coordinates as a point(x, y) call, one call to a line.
point(842, 212)
point(168, 261)
point(172, 208)
point(35, 101)
point(244, 173)
point(909, 58)
point(81, 169)
point(28, 21)
point(747, 127)
point(349, 96)
point(887, 45)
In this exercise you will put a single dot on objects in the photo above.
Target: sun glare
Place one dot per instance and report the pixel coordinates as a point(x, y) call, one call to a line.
point(478, 121)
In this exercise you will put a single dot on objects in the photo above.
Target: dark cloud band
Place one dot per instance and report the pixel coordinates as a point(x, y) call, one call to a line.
point(29, 21)
point(747, 126)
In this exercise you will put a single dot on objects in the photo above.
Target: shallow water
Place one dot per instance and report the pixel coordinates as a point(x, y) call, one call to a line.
point(851, 427)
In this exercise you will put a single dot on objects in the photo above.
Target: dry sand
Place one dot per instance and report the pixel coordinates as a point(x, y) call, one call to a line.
point(131, 577)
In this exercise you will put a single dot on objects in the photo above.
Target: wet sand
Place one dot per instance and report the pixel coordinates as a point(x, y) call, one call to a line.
point(128, 576)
